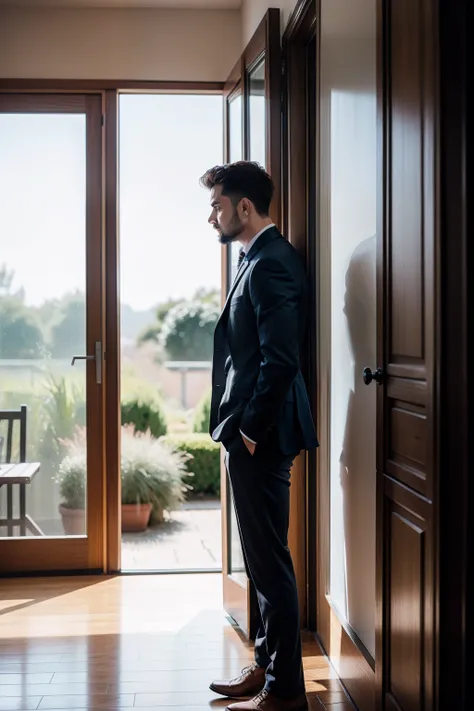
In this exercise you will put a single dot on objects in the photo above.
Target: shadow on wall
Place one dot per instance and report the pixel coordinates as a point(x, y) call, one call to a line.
point(358, 456)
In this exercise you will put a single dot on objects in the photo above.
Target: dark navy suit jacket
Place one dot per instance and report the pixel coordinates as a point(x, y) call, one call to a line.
point(257, 381)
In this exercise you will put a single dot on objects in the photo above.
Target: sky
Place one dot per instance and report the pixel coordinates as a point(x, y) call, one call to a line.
point(167, 248)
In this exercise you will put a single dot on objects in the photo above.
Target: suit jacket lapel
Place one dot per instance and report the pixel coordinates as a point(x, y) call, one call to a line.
point(238, 277)
point(267, 237)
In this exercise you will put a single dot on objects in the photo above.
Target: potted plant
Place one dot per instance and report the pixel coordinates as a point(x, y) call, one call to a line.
point(72, 488)
point(153, 476)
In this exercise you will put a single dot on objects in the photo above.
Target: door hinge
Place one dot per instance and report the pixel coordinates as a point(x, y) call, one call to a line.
point(102, 120)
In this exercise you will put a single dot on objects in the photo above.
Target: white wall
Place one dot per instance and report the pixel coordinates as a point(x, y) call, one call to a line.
point(254, 10)
point(181, 45)
point(347, 211)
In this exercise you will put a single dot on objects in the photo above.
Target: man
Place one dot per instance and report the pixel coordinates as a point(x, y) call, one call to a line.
point(260, 412)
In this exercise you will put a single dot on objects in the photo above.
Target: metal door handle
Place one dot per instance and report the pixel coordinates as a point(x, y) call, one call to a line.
point(377, 375)
point(98, 361)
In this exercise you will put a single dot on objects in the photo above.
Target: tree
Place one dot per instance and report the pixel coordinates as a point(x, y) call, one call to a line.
point(208, 296)
point(152, 332)
point(68, 335)
point(188, 331)
point(6, 279)
point(20, 336)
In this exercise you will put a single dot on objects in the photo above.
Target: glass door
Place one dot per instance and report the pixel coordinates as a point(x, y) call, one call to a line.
point(51, 333)
point(252, 118)
point(235, 582)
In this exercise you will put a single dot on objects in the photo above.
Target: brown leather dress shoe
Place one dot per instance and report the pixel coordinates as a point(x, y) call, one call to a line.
point(264, 701)
point(249, 682)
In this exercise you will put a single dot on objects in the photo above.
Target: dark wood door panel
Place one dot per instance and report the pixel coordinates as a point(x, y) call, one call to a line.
point(409, 608)
point(407, 446)
point(408, 436)
point(411, 187)
point(406, 194)
point(410, 210)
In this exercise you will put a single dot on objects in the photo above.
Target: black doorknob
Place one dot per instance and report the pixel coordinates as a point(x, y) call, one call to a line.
point(370, 375)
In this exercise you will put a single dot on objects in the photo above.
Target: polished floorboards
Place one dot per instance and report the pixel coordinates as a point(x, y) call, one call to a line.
point(107, 643)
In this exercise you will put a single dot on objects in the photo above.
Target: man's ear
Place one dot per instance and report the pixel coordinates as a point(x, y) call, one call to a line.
point(246, 207)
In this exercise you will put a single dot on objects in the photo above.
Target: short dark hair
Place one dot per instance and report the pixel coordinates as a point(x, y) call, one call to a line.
point(243, 179)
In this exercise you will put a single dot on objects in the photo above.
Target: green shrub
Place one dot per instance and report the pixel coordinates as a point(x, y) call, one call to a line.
point(202, 414)
point(205, 462)
point(146, 415)
point(152, 472)
point(64, 410)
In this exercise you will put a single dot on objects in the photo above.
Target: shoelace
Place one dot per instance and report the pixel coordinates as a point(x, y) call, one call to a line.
point(244, 672)
point(261, 697)
point(250, 668)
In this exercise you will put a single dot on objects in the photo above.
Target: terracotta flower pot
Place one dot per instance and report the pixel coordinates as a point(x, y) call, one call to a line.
point(74, 521)
point(159, 515)
point(135, 517)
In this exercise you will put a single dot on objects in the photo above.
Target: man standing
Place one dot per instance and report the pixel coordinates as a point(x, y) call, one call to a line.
point(260, 412)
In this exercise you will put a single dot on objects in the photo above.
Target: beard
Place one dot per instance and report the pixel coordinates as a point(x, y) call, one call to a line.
point(232, 232)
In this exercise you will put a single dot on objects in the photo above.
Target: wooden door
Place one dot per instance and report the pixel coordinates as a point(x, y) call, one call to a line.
point(51, 207)
point(377, 190)
point(409, 58)
point(299, 213)
point(406, 403)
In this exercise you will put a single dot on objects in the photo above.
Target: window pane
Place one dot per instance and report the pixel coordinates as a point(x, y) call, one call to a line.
point(235, 154)
point(236, 560)
point(43, 316)
point(235, 128)
point(257, 115)
point(170, 269)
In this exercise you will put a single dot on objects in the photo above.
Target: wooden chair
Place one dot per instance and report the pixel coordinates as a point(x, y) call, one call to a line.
point(12, 416)
point(18, 473)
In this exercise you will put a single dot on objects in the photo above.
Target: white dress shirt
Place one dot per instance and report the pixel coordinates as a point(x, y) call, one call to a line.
point(247, 247)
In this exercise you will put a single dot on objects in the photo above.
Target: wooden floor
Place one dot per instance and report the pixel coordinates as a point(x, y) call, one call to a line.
point(145, 641)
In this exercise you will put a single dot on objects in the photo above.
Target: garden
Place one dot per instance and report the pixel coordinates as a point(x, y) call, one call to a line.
point(170, 467)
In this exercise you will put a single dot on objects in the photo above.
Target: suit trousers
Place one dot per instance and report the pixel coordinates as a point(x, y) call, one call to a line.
point(261, 492)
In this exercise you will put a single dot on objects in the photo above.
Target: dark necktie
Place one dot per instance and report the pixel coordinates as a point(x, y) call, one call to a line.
point(241, 258)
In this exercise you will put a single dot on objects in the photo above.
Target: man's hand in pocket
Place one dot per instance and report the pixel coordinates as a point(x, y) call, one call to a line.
point(249, 444)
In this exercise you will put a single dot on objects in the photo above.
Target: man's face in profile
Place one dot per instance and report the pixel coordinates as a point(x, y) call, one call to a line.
point(225, 216)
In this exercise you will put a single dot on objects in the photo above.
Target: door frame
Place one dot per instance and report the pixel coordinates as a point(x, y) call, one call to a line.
point(299, 226)
point(113, 414)
point(85, 553)
point(455, 529)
